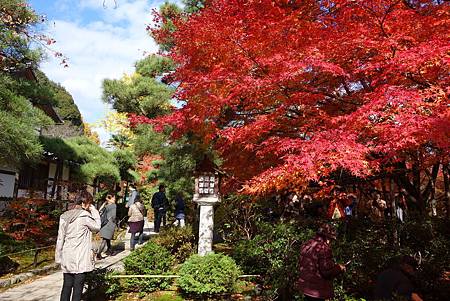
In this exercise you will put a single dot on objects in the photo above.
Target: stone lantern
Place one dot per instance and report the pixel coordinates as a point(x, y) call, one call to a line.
point(206, 195)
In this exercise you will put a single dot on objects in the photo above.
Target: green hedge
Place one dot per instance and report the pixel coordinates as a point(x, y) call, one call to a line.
point(208, 275)
point(273, 253)
point(151, 259)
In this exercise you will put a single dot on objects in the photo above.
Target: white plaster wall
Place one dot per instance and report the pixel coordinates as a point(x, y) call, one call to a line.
point(7, 183)
point(51, 170)
point(66, 171)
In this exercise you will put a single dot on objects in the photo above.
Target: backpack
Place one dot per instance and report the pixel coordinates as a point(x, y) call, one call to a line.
point(103, 218)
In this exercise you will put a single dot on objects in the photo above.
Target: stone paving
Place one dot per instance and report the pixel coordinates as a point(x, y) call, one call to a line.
point(48, 288)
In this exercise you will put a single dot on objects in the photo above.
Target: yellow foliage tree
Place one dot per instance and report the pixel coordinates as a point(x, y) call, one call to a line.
point(90, 134)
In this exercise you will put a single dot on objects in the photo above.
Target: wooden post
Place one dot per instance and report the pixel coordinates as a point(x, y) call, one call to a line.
point(36, 254)
point(55, 179)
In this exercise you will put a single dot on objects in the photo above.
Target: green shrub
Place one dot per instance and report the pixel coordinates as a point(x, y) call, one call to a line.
point(7, 265)
point(152, 259)
point(341, 295)
point(274, 253)
point(10, 245)
point(208, 275)
point(180, 242)
point(101, 286)
point(372, 248)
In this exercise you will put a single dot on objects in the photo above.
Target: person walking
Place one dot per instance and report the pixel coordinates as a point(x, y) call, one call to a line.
point(136, 222)
point(378, 208)
point(317, 267)
point(396, 281)
point(179, 211)
point(159, 205)
point(134, 195)
point(108, 217)
point(401, 206)
point(74, 245)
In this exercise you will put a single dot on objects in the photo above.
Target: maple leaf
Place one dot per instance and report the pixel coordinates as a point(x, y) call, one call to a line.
point(297, 92)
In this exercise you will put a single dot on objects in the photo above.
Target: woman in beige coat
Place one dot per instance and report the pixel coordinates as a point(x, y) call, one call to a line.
point(74, 245)
point(136, 222)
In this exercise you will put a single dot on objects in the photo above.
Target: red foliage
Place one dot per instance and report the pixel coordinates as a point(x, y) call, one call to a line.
point(290, 91)
point(135, 120)
point(30, 220)
point(145, 165)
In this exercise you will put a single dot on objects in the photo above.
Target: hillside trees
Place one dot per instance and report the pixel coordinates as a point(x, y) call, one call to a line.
point(300, 91)
point(63, 101)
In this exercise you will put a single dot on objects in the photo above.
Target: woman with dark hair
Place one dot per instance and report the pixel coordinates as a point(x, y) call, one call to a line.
point(74, 245)
point(108, 213)
point(136, 222)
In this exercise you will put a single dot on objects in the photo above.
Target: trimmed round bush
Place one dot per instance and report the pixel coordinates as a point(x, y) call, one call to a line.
point(208, 275)
point(151, 259)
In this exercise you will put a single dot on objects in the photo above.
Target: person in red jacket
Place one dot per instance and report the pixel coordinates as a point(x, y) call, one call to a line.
point(317, 267)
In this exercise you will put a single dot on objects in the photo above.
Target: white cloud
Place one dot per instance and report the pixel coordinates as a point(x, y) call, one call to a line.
point(102, 47)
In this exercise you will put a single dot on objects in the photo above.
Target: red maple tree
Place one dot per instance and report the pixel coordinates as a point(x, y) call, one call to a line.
point(30, 220)
point(291, 91)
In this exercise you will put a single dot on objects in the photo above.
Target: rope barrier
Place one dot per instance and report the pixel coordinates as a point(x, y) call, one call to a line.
point(166, 276)
point(145, 276)
point(25, 251)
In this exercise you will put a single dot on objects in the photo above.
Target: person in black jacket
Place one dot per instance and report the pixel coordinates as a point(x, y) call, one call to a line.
point(159, 205)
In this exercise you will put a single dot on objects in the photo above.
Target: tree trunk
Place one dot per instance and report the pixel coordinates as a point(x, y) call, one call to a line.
point(394, 214)
point(387, 198)
point(431, 189)
point(446, 189)
point(94, 191)
point(126, 192)
point(403, 182)
point(417, 183)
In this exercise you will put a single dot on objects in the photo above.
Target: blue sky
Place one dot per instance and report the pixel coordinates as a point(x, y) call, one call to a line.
point(100, 42)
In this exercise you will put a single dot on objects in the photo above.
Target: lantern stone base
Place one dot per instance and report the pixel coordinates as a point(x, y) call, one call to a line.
point(206, 226)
